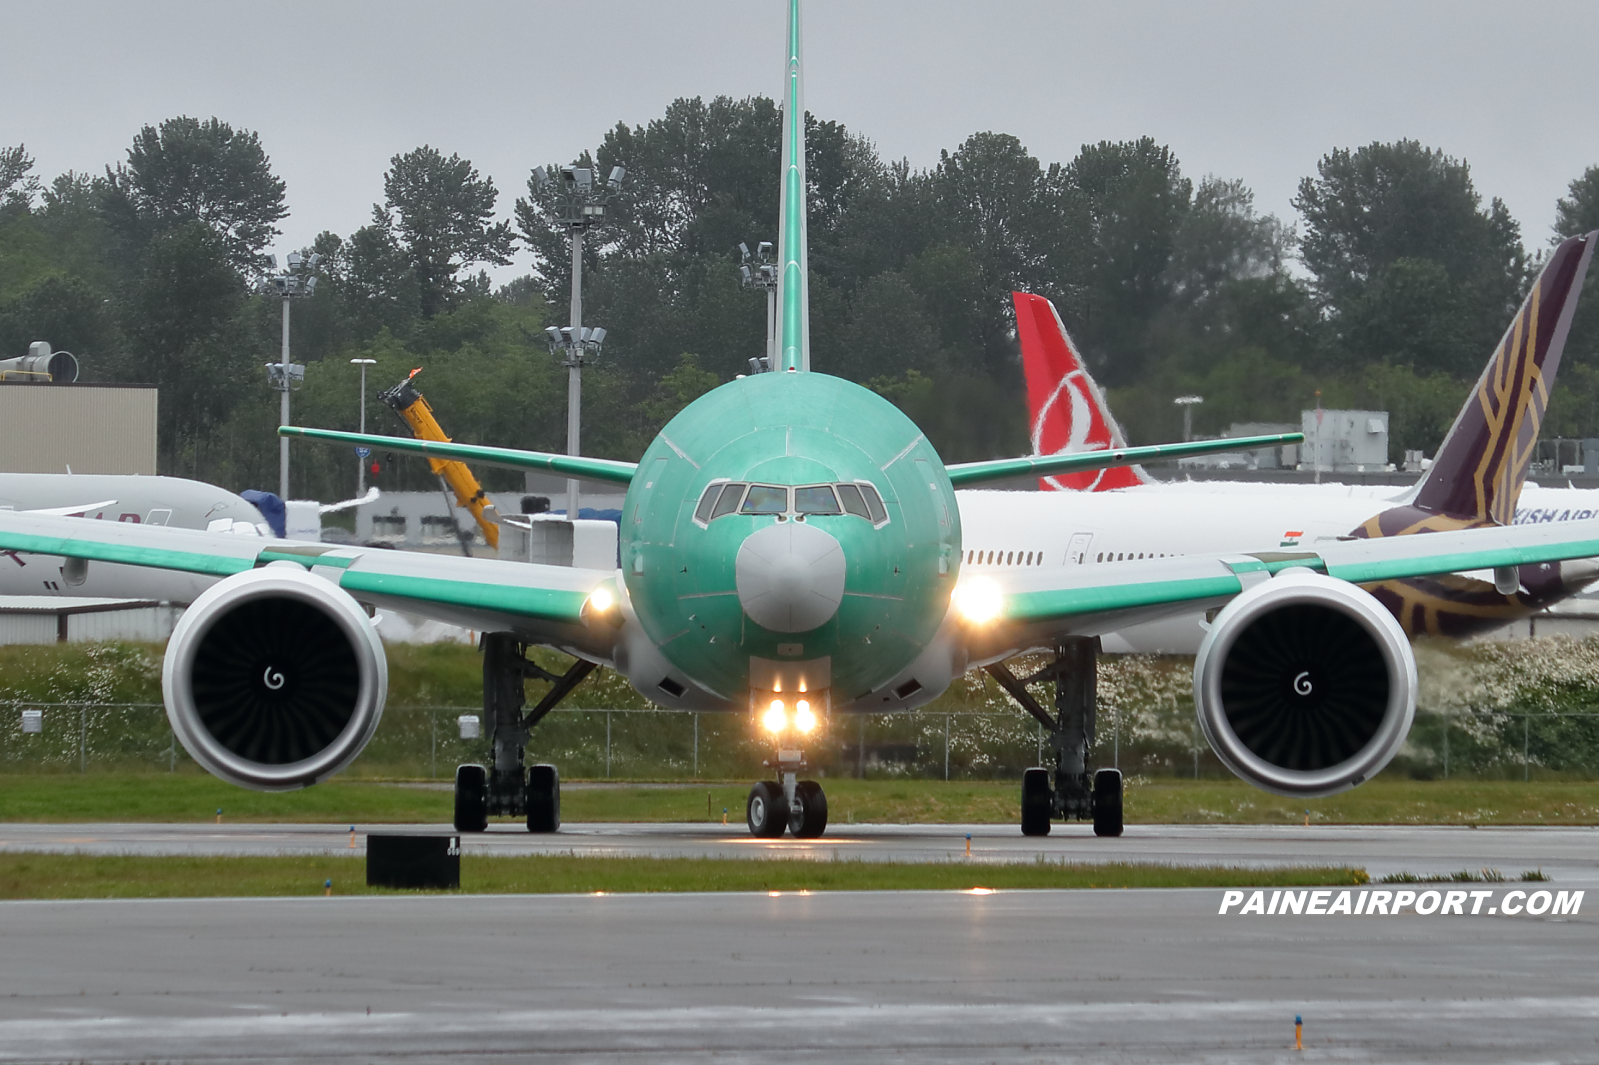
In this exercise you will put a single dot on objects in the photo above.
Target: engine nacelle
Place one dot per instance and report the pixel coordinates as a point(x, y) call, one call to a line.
point(1305, 685)
point(274, 679)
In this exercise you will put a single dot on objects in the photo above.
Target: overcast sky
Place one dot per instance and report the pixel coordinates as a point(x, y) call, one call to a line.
point(1253, 90)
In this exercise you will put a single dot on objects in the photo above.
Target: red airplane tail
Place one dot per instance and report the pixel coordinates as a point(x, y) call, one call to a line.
point(1065, 408)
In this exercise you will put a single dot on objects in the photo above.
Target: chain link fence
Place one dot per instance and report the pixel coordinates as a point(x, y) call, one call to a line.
point(424, 742)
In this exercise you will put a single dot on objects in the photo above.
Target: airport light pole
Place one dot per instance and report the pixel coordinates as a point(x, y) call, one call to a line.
point(294, 283)
point(579, 202)
point(759, 272)
point(574, 344)
point(360, 459)
point(1187, 403)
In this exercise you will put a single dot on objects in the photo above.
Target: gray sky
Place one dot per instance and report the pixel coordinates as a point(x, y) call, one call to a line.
point(1253, 90)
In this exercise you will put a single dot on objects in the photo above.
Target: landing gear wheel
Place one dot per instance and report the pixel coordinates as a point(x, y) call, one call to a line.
point(543, 799)
point(1108, 802)
point(471, 798)
point(810, 819)
point(766, 812)
point(1035, 802)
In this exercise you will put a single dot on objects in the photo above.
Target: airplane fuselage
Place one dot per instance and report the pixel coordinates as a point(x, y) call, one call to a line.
point(828, 563)
point(175, 502)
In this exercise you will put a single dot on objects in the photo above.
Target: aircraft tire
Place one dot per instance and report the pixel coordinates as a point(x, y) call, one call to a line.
point(543, 799)
point(812, 819)
point(471, 798)
point(766, 810)
point(1108, 802)
point(1035, 802)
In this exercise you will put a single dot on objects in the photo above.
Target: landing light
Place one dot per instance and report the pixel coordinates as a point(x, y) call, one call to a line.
point(601, 599)
point(804, 718)
point(978, 600)
point(775, 718)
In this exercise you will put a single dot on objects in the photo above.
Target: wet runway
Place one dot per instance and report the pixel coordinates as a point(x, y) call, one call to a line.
point(1564, 853)
point(1143, 976)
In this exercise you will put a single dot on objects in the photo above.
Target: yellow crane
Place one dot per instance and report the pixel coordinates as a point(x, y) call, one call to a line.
point(418, 415)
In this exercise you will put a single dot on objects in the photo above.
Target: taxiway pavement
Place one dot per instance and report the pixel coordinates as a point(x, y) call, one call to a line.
point(1034, 976)
point(1565, 853)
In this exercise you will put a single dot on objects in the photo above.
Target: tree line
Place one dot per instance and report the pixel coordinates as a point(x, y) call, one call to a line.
point(1388, 290)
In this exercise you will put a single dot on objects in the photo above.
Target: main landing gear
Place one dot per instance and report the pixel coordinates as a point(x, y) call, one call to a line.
point(507, 787)
point(1075, 794)
point(787, 804)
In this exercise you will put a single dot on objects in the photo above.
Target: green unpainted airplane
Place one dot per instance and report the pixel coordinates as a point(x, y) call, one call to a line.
point(790, 549)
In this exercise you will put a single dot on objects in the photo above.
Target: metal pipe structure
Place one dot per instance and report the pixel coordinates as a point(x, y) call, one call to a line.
point(283, 405)
point(283, 373)
point(360, 459)
point(574, 374)
point(580, 201)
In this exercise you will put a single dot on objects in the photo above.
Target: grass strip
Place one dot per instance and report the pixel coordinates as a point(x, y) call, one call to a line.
point(192, 796)
point(84, 876)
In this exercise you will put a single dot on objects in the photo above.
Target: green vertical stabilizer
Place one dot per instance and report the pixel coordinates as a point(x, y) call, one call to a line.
point(793, 291)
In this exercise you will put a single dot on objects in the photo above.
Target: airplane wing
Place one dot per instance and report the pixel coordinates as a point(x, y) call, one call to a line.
point(543, 604)
point(608, 470)
point(1009, 612)
point(971, 474)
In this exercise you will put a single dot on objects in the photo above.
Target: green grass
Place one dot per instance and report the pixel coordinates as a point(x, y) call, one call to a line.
point(77, 876)
point(191, 796)
point(1387, 800)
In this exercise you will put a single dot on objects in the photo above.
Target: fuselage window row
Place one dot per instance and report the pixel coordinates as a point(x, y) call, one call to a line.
point(1004, 558)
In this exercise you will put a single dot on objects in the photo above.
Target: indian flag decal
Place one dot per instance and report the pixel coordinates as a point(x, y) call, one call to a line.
point(1291, 538)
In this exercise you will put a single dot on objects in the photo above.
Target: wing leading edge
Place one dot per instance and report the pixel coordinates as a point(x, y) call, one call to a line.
point(1090, 599)
point(970, 474)
point(544, 603)
point(608, 470)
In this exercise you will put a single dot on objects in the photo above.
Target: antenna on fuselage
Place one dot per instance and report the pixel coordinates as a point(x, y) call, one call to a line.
point(793, 290)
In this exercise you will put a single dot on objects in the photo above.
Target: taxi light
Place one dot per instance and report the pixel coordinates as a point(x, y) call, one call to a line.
point(804, 718)
point(978, 600)
point(601, 599)
point(776, 717)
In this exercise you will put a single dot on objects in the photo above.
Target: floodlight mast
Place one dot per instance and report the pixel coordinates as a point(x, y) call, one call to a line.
point(295, 282)
point(759, 271)
point(360, 460)
point(580, 202)
point(1187, 403)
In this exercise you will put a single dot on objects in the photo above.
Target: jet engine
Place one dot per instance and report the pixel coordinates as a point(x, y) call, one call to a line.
point(274, 679)
point(1305, 685)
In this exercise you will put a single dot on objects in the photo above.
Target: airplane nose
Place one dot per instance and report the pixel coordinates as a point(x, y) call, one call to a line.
point(790, 577)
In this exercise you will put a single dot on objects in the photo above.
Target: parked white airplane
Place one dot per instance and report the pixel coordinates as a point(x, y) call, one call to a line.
point(1122, 513)
point(169, 501)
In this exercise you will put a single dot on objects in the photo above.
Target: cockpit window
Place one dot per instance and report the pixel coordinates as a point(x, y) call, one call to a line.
point(815, 499)
point(702, 513)
point(859, 499)
point(850, 496)
point(729, 501)
point(874, 504)
point(766, 499)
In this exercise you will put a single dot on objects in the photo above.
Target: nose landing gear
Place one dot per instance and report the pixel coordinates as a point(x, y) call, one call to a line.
point(790, 804)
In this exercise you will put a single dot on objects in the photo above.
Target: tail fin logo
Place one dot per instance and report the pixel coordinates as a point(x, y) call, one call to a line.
point(1066, 412)
point(1483, 462)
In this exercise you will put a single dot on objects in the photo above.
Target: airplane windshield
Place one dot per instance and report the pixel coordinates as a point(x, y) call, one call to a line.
point(815, 499)
point(766, 499)
point(850, 496)
point(874, 504)
point(707, 502)
point(729, 501)
point(858, 499)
